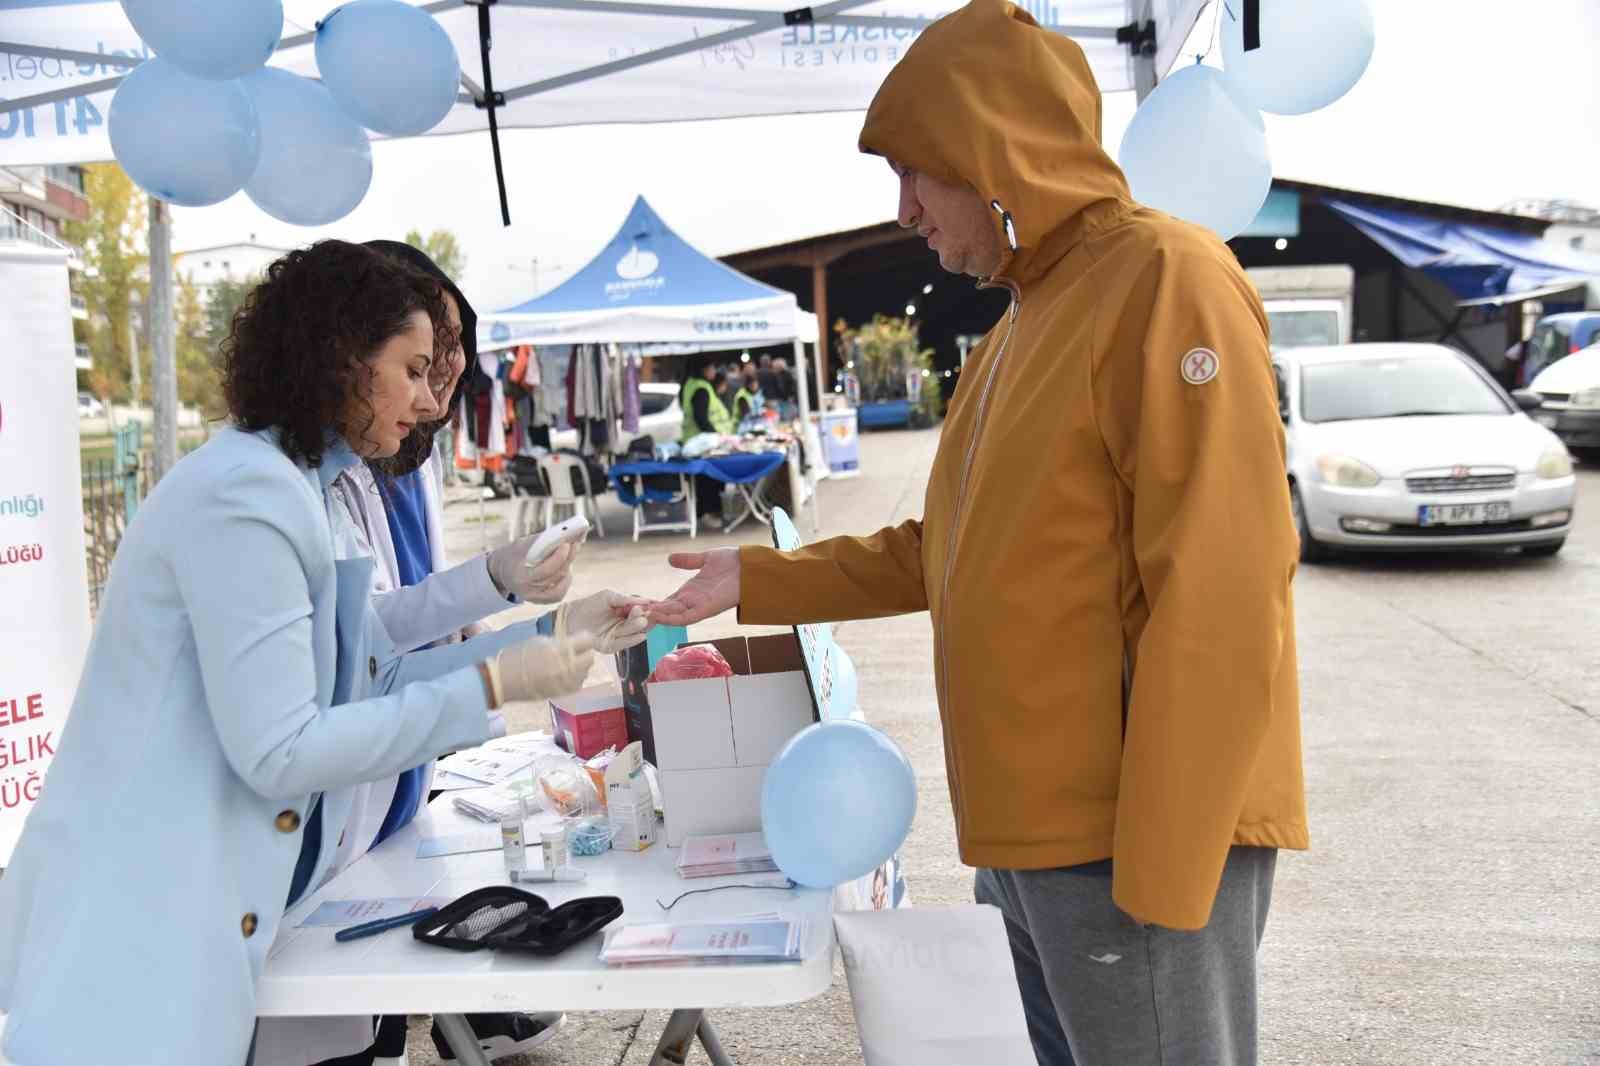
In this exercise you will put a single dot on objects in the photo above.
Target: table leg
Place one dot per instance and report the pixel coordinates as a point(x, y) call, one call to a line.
point(709, 1041)
point(677, 1038)
point(462, 1040)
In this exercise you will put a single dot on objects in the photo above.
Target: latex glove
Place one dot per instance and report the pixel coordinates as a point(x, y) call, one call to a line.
point(540, 668)
point(711, 591)
point(545, 583)
point(617, 622)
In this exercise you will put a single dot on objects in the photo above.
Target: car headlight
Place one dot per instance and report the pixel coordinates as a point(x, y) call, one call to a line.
point(1347, 473)
point(1555, 463)
point(1586, 398)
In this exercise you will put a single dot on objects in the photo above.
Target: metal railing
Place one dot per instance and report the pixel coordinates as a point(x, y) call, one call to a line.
point(112, 489)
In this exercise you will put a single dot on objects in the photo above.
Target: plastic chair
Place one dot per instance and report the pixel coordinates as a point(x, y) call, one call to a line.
point(558, 470)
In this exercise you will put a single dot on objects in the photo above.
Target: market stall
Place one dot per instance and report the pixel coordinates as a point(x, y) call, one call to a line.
point(648, 292)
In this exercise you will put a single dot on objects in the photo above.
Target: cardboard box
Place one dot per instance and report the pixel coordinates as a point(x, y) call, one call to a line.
point(590, 721)
point(713, 737)
point(629, 806)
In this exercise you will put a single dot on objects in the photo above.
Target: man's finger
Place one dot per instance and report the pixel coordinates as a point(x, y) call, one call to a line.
point(686, 560)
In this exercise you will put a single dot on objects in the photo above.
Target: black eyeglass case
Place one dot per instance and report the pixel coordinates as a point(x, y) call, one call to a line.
point(555, 931)
point(503, 918)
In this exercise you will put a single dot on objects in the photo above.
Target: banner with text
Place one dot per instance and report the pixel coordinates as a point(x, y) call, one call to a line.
point(44, 630)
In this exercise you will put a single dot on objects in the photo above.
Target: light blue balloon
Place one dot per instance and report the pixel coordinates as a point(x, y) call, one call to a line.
point(1195, 149)
point(216, 39)
point(300, 122)
point(837, 803)
point(1310, 55)
point(390, 66)
point(183, 139)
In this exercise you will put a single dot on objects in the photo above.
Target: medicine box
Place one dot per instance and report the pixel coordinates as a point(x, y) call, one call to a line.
point(629, 806)
point(590, 720)
point(714, 737)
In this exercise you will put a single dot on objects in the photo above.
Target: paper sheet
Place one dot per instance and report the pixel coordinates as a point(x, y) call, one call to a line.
point(343, 912)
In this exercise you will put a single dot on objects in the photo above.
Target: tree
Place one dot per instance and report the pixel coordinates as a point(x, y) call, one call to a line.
point(443, 248)
point(116, 273)
point(221, 305)
point(887, 355)
point(199, 384)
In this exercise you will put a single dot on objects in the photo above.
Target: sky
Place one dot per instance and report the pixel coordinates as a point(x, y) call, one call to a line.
point(1470, 102)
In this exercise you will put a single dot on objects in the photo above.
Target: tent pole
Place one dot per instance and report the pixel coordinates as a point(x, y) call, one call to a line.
point(163, 342)
point(801, 391)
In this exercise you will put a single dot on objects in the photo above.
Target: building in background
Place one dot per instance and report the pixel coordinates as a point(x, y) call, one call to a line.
point(46, 199)
point(205, 267)
point(1571, 223)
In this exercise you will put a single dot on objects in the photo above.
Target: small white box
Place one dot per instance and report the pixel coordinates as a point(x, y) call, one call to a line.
point(707, 802)
point(629, 807)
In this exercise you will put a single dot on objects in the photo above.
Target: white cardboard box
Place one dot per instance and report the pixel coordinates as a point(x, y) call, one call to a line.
point(715, 736)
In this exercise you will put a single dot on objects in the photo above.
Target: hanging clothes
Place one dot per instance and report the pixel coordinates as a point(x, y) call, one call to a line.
point(550, 408)
point(630, 392)
point(483, 444)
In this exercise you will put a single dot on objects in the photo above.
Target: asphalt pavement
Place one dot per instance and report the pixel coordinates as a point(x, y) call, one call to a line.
point(1449, 910)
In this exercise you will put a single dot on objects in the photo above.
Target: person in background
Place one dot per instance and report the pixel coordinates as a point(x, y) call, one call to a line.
point(766, 378)
point(235, 690)
point(783, 383)
point(746, 394)
point(704, 412)
point(1106, 552)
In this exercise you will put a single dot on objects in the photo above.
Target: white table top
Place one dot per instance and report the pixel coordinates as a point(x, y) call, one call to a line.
point(309, 973)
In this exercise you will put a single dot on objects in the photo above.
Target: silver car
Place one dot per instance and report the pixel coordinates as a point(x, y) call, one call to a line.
point(1412, 446)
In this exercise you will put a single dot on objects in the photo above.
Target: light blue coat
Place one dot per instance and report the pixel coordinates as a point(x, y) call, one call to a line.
point(224, 688)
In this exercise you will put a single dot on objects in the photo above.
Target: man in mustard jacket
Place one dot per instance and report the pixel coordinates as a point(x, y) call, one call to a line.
point(1106, 550)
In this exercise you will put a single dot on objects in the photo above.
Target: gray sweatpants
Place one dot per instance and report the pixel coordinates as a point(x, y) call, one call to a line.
point(1100, 990)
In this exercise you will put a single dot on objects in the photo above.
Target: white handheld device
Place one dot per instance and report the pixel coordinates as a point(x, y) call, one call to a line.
point(556, 535)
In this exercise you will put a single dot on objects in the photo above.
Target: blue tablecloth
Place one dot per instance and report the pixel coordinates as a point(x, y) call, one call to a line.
point(739, 469)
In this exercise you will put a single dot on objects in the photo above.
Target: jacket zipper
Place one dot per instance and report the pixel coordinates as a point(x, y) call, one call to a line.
point(961, 495)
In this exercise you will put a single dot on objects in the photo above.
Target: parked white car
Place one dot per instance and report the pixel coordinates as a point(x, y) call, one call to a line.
point(660, 416)
point(89, 407)
point(1413, 446)
point(1569, 395)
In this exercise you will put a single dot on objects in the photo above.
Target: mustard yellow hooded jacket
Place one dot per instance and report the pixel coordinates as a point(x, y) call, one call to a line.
point(1106, 545)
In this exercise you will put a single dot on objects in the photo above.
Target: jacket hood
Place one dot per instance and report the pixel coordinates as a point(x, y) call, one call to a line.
point(989, 99)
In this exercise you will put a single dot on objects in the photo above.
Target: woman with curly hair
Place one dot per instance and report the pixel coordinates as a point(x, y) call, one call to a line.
point(226, 709)
point(392, 507)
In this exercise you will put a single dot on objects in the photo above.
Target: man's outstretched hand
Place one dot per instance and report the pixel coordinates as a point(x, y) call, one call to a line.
point(712, 590)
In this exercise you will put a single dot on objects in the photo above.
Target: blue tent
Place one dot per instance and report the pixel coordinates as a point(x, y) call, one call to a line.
point(1477, 263)
point(650, 286)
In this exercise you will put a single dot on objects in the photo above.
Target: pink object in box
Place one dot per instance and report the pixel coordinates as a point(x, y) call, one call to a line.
point(590, 721)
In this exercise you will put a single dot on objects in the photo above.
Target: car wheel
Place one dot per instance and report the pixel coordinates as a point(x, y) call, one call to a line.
point(1544, 551)
point(1310, 550)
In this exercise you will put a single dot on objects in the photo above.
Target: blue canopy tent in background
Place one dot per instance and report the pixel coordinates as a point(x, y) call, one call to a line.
point(1480, 264)
point(649, 287)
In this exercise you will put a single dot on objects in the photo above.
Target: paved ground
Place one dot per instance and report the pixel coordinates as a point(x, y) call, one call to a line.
point(1450, 910)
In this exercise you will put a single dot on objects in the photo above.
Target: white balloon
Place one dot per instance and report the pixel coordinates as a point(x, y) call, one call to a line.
point(1197, 151)
point(1311, 53)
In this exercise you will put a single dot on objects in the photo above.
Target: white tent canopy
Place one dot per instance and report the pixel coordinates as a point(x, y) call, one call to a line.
point(572, 62)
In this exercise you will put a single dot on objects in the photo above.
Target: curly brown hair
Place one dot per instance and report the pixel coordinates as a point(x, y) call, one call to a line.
point(296, 356)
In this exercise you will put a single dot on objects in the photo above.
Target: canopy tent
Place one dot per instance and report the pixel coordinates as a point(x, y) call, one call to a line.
point(1478, 263)
point(573, 62)
point(649, 286)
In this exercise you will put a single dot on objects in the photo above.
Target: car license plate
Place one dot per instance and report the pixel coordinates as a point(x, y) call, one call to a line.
point(1464, 514)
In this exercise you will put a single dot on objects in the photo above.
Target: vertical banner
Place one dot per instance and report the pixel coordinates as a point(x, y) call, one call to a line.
point(44, 628)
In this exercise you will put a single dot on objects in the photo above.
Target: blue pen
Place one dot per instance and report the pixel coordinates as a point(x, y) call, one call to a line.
point(356, 932)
